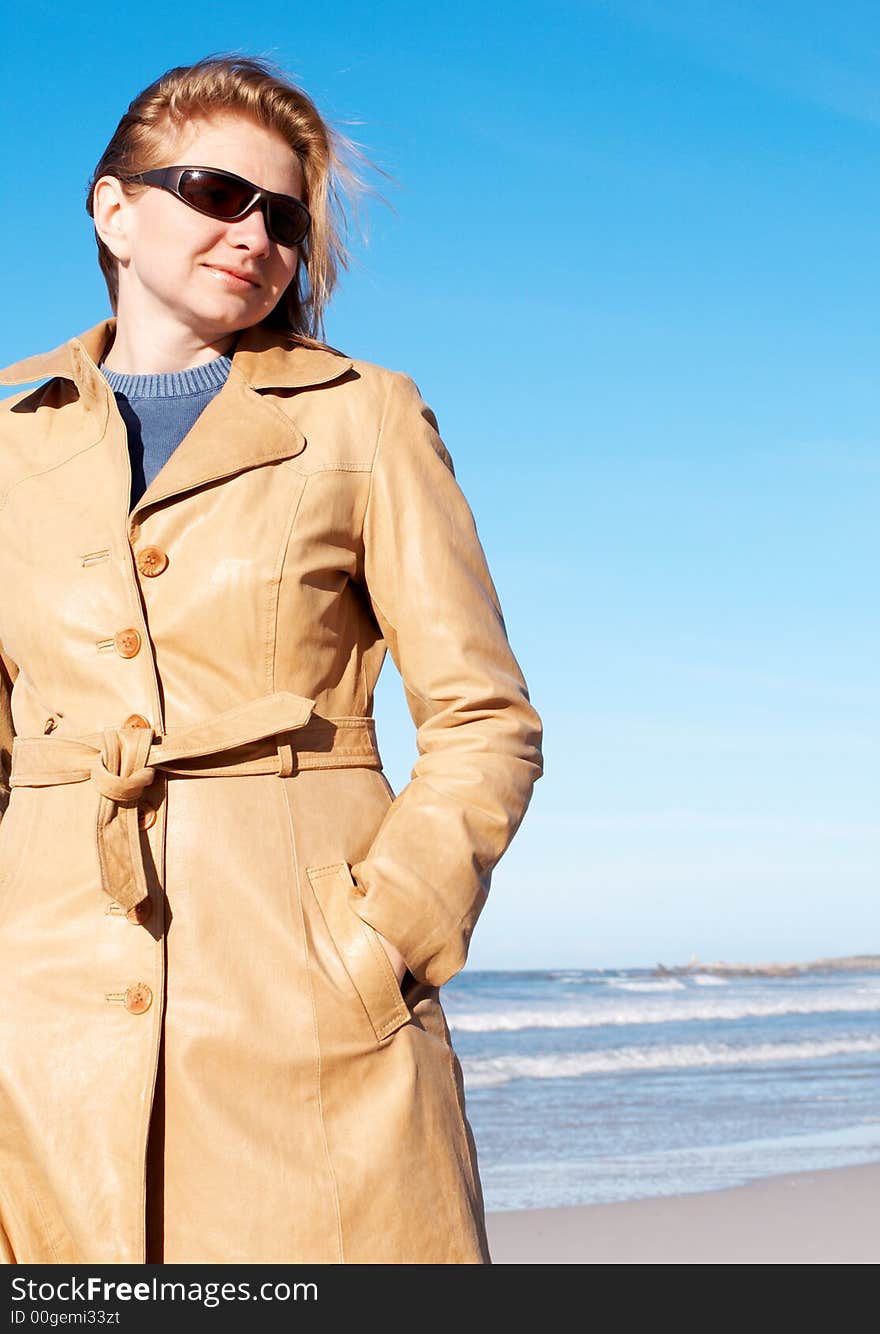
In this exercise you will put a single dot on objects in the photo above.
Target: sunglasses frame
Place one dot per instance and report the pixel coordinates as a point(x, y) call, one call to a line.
point(169, 178)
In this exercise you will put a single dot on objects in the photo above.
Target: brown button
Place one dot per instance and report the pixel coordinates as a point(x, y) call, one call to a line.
point(138, 998)
point(140, 912)
point(127, 643)
point(151, 560)
point(137, 720)
point(146, 815)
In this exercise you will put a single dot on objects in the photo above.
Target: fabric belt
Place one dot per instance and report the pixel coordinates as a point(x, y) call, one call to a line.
point(122, 761)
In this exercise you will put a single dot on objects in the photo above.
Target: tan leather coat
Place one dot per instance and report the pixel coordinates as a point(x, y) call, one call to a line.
point(205, 1054)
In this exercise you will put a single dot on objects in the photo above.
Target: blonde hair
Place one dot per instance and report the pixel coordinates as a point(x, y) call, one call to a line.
point(256, 88)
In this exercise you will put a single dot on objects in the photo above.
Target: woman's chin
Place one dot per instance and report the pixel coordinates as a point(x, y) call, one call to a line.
point(224, 317)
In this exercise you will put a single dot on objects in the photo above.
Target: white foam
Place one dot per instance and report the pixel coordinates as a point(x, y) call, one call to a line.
point(684, 1009)
point(647, 984)
point(495, 1070)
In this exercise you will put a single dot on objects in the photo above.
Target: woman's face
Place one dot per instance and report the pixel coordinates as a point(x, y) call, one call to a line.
point(178, 265)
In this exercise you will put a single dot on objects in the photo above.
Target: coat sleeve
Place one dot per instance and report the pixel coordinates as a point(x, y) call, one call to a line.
point(8, 673)
point(426, 876)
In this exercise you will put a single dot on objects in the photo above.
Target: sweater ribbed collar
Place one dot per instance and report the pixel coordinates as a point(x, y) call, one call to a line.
point(170, 384)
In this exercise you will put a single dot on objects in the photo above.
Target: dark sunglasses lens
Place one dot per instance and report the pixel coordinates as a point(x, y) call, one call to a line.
point(212, 194)
point(221, 197)
point(288, 223)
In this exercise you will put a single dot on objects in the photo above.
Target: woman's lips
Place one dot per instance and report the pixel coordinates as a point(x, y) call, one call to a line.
point(232, 279)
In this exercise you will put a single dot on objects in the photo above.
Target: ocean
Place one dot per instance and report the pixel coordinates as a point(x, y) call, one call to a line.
point(598, 1085)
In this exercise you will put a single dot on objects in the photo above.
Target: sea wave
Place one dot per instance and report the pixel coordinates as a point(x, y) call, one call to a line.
point(646, 984)
point(491, 1071)
point(701, 1007)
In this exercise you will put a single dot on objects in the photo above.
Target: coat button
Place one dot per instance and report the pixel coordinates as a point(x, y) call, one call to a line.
point(151, 560)
point(138, 998)
point(137, 720)
point(139, 913)
point(146, 815)
point(127, 643)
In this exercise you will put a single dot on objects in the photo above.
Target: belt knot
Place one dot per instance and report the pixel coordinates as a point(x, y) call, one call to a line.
point(121, 787)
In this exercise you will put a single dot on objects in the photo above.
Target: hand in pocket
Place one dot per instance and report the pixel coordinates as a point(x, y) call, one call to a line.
point(398, 963)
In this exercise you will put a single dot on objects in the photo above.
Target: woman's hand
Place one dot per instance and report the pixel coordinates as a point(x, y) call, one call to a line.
point(398, 963)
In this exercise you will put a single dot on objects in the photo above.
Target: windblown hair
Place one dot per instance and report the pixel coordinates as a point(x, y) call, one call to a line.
point(255, 88)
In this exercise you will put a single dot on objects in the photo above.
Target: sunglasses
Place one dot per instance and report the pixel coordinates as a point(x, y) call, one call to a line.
point(220, 194)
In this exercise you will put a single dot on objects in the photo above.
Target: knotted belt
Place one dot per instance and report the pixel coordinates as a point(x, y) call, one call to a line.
point(122, 762)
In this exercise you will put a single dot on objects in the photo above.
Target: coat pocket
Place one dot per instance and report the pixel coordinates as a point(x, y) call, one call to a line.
point(360, 949)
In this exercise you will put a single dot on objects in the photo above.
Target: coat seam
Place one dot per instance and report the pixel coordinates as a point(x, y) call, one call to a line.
point(374, 463)
point(336, 467)
point(271, 641)
point(5, 1235)
point(41, 1211)
point(392, 384)
point(315, 1033)
point(159, 1022)
point(44, 472)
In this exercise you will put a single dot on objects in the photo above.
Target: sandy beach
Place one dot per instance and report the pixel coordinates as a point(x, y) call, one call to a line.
point(819, 1217)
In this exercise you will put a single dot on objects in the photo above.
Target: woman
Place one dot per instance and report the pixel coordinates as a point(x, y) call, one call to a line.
point(222, 935)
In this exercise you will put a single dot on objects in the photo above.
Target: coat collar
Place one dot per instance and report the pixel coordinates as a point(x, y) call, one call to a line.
point(267, 358)
point(240, 428)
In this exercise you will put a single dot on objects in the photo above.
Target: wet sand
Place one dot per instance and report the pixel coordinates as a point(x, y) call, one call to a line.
point(821, 1217)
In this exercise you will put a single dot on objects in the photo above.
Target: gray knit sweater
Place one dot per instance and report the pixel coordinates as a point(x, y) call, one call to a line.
point(159, 410)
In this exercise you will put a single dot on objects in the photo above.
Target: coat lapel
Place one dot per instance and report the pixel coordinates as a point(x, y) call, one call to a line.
point(238, 429)
point(242, 427)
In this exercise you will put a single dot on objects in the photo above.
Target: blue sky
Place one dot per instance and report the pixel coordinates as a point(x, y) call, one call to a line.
point(631, 262)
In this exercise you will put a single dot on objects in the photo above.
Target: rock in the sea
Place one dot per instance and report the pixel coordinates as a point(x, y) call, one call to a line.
point(849, 963)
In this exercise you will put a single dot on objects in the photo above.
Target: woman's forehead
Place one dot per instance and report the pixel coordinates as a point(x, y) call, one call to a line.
point(229, 139)
point(216, 126)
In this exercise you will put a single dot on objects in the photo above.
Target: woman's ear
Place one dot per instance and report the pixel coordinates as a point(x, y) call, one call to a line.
point(110, 215)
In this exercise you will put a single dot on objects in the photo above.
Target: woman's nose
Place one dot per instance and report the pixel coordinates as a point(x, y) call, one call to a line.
point(250, 231)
